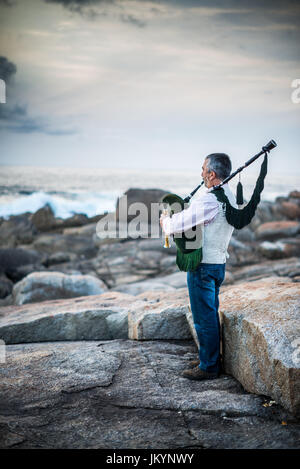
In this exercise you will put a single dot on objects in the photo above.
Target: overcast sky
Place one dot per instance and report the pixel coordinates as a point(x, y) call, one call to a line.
point(148, 84)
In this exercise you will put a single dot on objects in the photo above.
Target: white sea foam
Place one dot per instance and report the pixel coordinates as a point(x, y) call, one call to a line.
point(63, 206)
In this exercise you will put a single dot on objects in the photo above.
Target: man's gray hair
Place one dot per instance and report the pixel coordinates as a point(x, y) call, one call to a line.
point(219, 163)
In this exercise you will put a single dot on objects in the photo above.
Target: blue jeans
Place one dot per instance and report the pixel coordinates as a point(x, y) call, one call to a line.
point(204, 284)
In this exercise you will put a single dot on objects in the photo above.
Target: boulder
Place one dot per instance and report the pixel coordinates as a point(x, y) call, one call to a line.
point(42, 286)
point(44, 219)
point(144, 196)
point(280, 249)
point(15, 261)
point(261, 338)
point(128, 394)
point(290, 210)
point(17, 229)
point(163, 316)
point(6, 286)
point(99, 317)
point(54, 242)
point(277, 229)
point(264, 213)
point(294, 194)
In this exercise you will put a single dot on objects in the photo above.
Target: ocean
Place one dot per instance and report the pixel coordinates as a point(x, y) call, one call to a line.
point(93, 191)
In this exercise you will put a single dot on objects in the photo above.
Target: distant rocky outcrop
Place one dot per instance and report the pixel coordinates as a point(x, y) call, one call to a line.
point(144, 196)
point(77, 245)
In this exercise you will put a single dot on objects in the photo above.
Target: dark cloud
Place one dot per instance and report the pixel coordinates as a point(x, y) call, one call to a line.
point(258, 10)
point(86, 8)
point(7, 69)
point(231, 4)
point(82, 7)
point(79, 3)
point(16, 119)
point(133, 20)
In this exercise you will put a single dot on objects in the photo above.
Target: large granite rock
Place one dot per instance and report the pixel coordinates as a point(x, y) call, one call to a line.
point(144, 196)
point(17, 229)
point(126, 394)
point(290, 209)
point(12, 258)
point(280, 249)
point(44, 219)
point(99, 317)
point(261, 338)
point(41, 286)
point(277, 229)
point(50, 243)
point(163, 316)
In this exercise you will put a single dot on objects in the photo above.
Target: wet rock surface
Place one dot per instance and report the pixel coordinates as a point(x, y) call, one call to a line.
point(128, 394)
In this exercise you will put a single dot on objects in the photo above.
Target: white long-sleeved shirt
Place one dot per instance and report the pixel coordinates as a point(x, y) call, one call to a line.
point(202, 210)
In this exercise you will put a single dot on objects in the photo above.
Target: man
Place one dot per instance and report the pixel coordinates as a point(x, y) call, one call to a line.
point(204, 283)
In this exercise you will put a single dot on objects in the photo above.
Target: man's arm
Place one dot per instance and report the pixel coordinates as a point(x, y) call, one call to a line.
point(201, 210)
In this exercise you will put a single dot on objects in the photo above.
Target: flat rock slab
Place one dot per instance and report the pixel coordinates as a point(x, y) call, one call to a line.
point(127, 394)
point(96, 317)
point(261, 330)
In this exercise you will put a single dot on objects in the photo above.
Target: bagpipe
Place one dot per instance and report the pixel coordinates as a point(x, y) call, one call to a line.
point(187, 258)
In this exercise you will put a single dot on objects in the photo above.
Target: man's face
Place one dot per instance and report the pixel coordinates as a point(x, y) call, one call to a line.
point(208, 176)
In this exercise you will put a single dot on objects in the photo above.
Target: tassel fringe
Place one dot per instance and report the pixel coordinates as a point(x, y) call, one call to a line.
point(239, 194)
point(190, 261)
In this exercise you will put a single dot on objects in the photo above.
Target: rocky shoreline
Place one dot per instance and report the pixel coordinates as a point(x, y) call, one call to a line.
point(39, 242)
point(98, 331)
